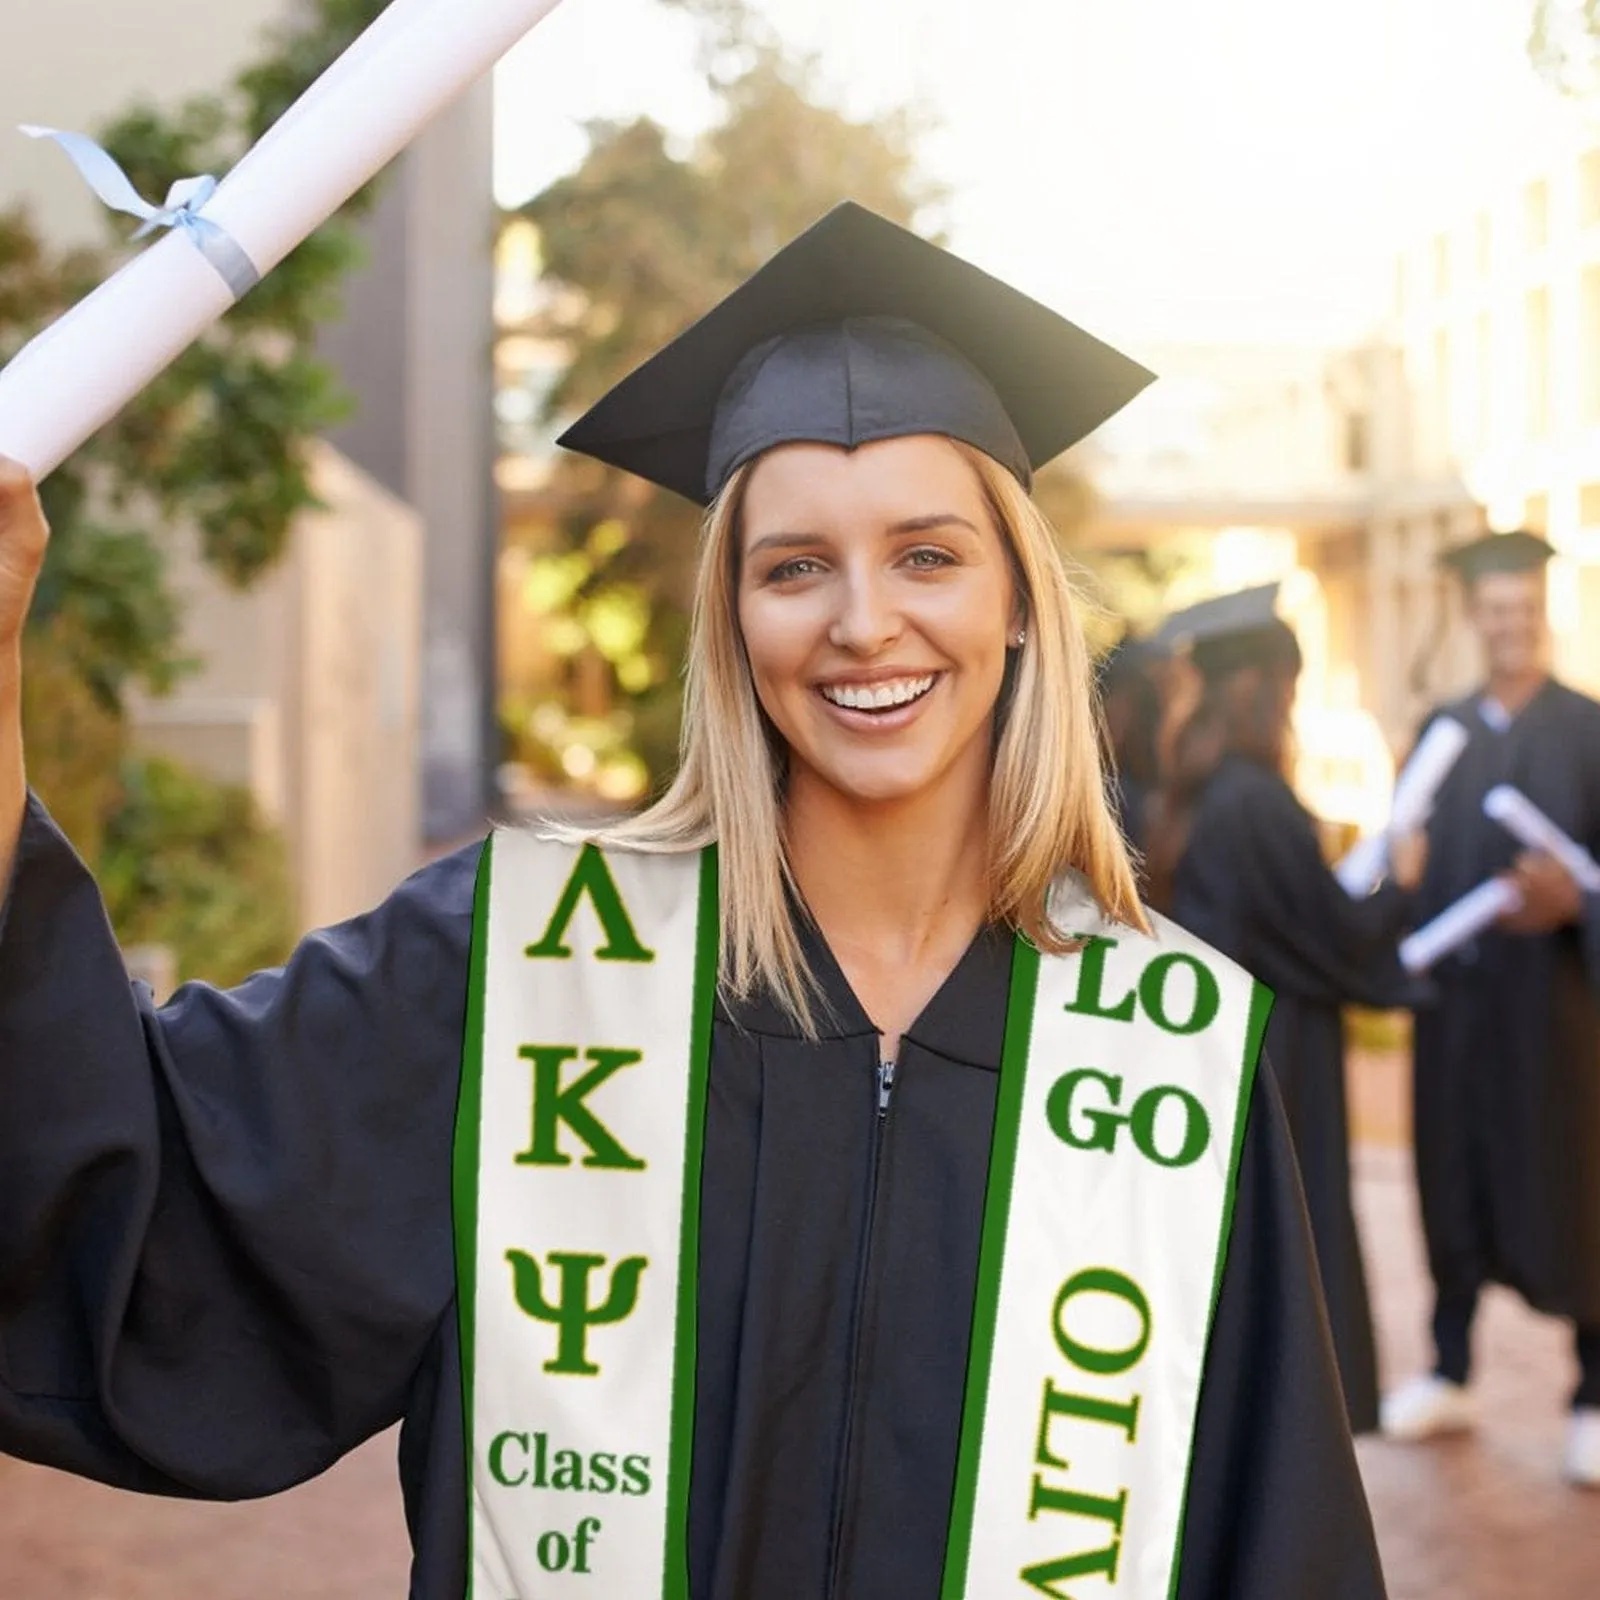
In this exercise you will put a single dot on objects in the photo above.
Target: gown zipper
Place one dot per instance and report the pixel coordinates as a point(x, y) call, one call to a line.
point(885, 1082)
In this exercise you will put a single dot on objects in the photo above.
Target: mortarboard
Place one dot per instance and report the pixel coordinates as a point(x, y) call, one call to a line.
point(858, 330)
point(1229, 631)
point(1243, 611)
point(1517, 551)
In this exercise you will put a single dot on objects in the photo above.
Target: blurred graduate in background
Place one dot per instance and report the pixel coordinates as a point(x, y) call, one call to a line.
point(1131, 703)
point(1236, 858)
point(1507, 1108)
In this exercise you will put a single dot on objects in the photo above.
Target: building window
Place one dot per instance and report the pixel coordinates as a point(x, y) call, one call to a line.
point(1589, 505)
point(1443, 383)
point(1441, 265)
point(1537, 317)
point(1536, 215)
point(1485, 244)
point(1483, 378)
point(1357, 441)
point(1589, 188)
point(1589, 346)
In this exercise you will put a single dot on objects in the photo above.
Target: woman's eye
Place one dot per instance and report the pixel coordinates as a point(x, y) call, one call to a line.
point(794, 567)
point(927, 558)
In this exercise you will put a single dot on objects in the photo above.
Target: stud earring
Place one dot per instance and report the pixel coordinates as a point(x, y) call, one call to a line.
point(1020, 640)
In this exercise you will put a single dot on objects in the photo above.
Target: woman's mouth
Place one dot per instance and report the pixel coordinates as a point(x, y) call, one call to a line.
point(885, 702)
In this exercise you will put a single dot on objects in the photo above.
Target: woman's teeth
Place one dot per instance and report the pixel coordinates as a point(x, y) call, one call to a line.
point(878, 696)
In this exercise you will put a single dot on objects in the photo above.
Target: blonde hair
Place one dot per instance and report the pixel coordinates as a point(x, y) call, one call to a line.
point(1048, 812)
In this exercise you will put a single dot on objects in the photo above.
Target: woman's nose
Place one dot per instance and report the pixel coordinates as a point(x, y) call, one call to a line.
point(866, 619)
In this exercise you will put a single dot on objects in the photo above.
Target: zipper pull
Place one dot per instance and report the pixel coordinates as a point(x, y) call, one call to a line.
point(885, 1086)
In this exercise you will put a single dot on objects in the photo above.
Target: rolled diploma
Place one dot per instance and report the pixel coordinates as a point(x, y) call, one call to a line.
point(83, 369)
point(1457, 923)
point(393, 20)
point(1414, 794)
point(1361, 868)
point(1525, 822)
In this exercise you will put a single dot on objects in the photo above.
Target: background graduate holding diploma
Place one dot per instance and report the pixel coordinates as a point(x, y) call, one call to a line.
point(1507, 1085)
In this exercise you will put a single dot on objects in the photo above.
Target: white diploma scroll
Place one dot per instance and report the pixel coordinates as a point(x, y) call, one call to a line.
point(1414, 793)
point(1526, 823)
point(1458, 923)
point(1361, 869)
point(417, 57)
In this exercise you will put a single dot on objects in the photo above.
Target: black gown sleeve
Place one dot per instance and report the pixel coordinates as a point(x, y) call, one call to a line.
point(1305, 936)
point(224, 1223)
point(1589, 933)
point(1276, 1506)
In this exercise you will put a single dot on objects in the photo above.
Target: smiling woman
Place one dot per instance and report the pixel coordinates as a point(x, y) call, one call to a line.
point(826, 1185)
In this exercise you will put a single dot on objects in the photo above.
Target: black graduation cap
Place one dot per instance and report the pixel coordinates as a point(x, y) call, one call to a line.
point(1243, 611)
point(1517, 551)
point(1230, 630)
point(858, 330)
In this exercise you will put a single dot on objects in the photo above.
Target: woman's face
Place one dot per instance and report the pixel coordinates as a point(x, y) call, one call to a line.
point(876, 600)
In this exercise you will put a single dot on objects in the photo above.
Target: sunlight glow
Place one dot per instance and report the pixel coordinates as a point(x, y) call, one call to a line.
point(1158, 168)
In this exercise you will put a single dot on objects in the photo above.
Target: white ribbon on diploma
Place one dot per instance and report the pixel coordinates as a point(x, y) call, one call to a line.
point(416, 58)
point(1414, 793)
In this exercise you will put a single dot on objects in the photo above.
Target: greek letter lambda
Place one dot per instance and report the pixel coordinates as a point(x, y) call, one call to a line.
point(592, 876)
point(572, 1314)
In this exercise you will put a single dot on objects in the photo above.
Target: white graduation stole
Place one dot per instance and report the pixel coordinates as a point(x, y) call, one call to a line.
point(1126, 1075)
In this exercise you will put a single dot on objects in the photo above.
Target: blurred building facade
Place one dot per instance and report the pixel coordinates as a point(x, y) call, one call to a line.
point(310, 693)
point(416, 345)
point(404, 552)
point(1497, 321)
point(1347, 472)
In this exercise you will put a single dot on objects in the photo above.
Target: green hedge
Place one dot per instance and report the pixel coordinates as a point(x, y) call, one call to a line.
point(189, 863)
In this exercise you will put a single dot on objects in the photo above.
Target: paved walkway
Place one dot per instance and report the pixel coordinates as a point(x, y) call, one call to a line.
point(1487, 1519)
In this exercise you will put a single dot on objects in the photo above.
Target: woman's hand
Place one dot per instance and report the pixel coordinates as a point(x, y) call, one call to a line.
point(1408, 858)
point(23, 536)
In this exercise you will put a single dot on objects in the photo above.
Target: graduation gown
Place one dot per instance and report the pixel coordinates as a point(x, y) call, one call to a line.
point(1507, 1083)
point(225, 1259)
point(1253, 883)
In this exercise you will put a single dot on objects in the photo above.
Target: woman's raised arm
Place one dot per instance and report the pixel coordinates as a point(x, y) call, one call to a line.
point(225, 1246)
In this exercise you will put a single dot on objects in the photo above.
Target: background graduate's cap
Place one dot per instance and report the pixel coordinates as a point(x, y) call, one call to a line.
point(1230, 631)
point(1518, 551)
point(1221, 617)
point(858, 330)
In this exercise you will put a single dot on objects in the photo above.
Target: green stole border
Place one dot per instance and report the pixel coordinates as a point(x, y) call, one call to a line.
point(464, 1195)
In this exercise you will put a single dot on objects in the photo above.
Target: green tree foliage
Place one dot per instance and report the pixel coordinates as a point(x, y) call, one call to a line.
point(636, 243)
point(1564, 44)
point(188, 863)
point(214, 448)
